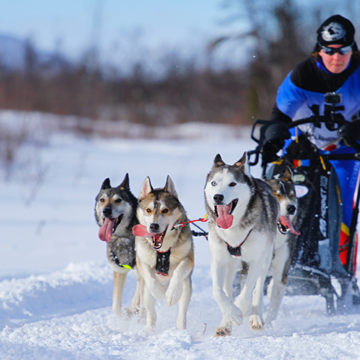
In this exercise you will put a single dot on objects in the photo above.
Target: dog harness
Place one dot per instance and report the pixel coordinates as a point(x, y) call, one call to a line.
point(163, 262)
point(236, 251)
point(163, 258)
point(116, 259)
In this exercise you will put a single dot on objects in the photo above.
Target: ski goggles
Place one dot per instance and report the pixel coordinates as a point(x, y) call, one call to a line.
point(331, 51)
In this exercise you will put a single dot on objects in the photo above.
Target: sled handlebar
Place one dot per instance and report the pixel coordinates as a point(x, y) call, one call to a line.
point(333, 123)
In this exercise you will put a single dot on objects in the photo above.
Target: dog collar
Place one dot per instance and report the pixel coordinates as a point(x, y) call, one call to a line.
point(236, 251)
point(116, 259)
point(163, 262)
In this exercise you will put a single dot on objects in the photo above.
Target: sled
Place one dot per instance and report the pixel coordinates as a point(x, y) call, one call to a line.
point(323, 260)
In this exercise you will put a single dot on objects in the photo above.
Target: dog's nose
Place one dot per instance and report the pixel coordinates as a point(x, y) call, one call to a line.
point(107, 211)
point(154, 227)
point(291, 209)
point(218, 198)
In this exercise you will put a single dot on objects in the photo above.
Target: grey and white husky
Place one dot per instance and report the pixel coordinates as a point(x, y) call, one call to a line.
point(243, 216)
point(115, 213)
point(284, 191)
point(164, 250)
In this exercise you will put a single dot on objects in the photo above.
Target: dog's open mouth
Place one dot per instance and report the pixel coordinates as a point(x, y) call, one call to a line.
point(224, 217)
point(157, 238)
point(285, 225)
point(109, 227)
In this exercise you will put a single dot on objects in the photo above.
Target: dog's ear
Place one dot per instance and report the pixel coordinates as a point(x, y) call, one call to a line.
point(242, 164)
point(218, 161)
point(146, 188)
point(125, 183)
point(106, 184)
point(170, 187)
point(288, 174)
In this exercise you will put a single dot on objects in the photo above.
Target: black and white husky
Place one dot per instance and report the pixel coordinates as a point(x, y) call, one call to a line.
point(243, 217)
point(284, 191)
point(115, 213)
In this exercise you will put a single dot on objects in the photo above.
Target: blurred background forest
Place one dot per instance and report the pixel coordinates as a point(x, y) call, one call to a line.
point(273, 36)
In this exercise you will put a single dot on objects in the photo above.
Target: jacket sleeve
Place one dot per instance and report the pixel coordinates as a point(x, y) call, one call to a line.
point(289, 98)
point(277, 115)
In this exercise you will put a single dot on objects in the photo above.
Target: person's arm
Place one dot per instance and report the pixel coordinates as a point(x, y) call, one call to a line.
point(277, 115)
point(289, 99)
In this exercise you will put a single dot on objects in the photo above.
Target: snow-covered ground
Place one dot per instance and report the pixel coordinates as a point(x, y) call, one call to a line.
point(55, 284)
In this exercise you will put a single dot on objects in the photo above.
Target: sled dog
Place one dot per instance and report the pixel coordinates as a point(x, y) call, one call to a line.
point(164, 250)
point(243, 216)
point(284, 191)
point(115, 213)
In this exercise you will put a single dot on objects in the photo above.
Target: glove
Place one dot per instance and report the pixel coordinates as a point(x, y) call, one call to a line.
point(274, 138)
point(350, 130)
point(270, 150)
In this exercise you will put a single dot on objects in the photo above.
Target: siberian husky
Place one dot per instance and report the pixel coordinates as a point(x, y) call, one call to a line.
point(164, 250)
point(284, 191)
point(243, 216)
point(115, 213)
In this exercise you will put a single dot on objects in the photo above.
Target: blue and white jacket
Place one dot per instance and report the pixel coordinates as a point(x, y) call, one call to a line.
point(306, 86)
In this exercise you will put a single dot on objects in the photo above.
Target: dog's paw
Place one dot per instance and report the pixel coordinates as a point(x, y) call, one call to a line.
point(173, 294)
point(256, 323)
point(124, 313)
point(150, 329)
point(141, 318)
point(140, 311)
point(222, 331)
point(269, 320)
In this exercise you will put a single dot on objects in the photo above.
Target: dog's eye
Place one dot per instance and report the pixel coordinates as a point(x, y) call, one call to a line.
point(165, 211)
point(213, 183)
point(118, 200)
point(148, 210)
point(102, 200)
point(232, 184)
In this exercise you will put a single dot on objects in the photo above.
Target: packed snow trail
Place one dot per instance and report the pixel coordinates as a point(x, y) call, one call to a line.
point(55, 284)
point(64, 315)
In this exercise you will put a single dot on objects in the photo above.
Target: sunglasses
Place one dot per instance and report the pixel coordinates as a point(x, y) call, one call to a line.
point(331, 51)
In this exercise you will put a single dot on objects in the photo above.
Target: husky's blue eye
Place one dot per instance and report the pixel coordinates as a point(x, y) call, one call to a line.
point(213, 183)
point(232, 184)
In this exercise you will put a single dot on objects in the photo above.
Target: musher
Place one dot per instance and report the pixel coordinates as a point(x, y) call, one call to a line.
point(332, 69)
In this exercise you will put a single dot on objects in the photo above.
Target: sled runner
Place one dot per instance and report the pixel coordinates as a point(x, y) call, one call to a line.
point(325, 251)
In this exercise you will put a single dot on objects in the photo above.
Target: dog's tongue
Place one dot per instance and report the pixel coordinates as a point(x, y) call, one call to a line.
point(105, 232)
point(285, 221)
point(140, 230)
point(224, 219)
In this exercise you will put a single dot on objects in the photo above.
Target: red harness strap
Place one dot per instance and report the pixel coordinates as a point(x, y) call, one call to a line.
point(183, 223)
